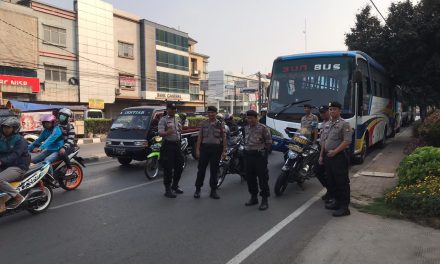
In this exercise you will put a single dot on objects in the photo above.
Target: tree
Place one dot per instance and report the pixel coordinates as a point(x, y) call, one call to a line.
point(408, 46)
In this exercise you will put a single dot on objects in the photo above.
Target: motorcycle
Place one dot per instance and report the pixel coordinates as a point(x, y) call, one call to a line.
point(58, 174)
point(152, 165)
point(301, 159)
point(35, 190)
point(234, 161)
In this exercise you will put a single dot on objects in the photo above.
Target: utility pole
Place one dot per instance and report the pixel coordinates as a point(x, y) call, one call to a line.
point(260, 92)
point(204, 100)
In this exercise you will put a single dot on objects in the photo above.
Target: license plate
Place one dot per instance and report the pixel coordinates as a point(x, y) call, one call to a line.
point(117, 151)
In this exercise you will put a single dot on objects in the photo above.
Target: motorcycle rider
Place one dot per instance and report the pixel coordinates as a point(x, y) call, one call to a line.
point(309, 123)
point(14, 159)
point(69, 136)
point(211, 145)
point(229, 121)
point(52, 138)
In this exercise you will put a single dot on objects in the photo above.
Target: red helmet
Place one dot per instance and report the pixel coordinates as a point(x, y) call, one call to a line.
point(48, 118)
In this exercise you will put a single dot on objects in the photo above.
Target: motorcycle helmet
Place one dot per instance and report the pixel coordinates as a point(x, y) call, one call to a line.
point(48, 118)
point(220, 117)
point(64, 114)
point(13, 122)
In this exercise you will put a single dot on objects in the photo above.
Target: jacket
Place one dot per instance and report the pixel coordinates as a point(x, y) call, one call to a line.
point(53, 140)
point(14, 152)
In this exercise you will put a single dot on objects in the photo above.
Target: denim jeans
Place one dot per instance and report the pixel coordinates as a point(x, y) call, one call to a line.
point(47, 156)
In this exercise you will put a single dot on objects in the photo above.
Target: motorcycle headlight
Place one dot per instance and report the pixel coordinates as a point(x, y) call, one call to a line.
point(157, 139)
point(292, 154)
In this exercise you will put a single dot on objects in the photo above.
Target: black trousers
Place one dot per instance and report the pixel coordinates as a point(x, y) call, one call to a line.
point(65, 157)
point(320, 174)
point(255, 163)
point(172, 161)
point(209, 154)
point(338, 181)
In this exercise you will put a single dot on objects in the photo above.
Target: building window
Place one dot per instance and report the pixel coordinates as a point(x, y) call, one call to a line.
point(55, 73)
point(127, 81)
point(54, 35)
point(169, 82)
point(171, 40)
point(170, 60)
point(125, 50)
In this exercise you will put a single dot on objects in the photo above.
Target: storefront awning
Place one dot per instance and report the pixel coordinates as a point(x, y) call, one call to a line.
point(32, 107)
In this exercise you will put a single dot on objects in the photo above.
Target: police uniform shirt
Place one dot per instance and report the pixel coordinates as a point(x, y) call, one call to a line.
point(257, 137)
point(170, 123)
point(212, 132)
point(309, 122)
point(325, 127)
point(338, 131)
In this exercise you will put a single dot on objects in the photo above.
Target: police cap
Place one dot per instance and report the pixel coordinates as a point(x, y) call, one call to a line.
point(335, 104)
point(323, 108)
point(212, 109)
point(307, 105)
point(171, 106)
point(252, 113)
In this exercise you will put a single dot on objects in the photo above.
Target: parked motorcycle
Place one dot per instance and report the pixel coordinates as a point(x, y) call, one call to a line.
point(234, 161)
point(152, 165)
point(67, 182)
point(34, 188)
point(301, 158)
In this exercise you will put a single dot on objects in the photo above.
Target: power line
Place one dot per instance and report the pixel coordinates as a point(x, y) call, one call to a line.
point(377, 9)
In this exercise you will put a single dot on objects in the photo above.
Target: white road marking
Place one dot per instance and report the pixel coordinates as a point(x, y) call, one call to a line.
point(274, 230)
point(376, 157)
point(103, 195)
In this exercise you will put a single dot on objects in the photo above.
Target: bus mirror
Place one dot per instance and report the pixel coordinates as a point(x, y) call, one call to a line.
point(358, 76)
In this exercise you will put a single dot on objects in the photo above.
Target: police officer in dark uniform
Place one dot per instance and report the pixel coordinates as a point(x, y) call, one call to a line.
point(170, 129)
point(211, 145)
point(320, 169)
point(257, 143)
point(338, 138)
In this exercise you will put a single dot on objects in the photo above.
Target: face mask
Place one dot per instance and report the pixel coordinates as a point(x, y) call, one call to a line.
point(63, 118)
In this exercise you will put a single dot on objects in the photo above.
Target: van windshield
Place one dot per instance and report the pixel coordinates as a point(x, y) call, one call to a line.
point(132, 120)
point(94, 114)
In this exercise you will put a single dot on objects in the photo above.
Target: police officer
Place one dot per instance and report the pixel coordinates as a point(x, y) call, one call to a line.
point(170, 129)
point(309, 123)
point(335, 160)
point(211, 145)
point(320, 169)
point(257, 143)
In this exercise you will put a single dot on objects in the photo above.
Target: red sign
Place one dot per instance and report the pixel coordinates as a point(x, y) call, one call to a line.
point(34, 83)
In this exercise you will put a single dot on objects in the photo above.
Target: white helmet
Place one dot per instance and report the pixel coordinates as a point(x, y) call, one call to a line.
point(65, 111)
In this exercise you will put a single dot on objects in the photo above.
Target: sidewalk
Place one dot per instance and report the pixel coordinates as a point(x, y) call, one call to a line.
point(365, 238)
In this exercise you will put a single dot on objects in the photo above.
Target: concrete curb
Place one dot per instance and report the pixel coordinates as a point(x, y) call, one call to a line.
point(83, 141)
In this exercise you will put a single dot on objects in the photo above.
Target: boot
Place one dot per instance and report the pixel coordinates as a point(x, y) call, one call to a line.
point(332, 205)
point(264, 204)
point(169, 193)
point(252, 201)
point(343, 211)
point(214, 194)
point(177, 190)
point(197, 193)
point(326, 196)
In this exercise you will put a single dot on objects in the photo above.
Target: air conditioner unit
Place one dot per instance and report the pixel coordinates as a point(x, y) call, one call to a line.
point(195, 72)
point(117, 91)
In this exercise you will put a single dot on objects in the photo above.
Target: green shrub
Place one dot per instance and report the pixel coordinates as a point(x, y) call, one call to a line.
point(429, 131)
point(195, 121)
point(420, 163)
point(97, 125)
point(421, 198)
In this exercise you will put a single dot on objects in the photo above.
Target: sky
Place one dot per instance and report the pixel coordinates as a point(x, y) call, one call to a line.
point(247, 35)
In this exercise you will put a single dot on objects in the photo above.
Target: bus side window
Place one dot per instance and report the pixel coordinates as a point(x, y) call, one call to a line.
point(365, 88)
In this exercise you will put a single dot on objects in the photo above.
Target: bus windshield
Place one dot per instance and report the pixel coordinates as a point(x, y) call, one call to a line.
point(320, 80)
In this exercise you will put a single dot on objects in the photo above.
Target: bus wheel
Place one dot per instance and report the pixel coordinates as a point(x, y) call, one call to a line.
point(361, 158)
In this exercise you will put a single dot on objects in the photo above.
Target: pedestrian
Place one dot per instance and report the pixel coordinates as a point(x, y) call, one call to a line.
point(211, 146)
point(170, 128)
point(257, 144)
point(320, 169)
point(263, 113)
point(338, 138)
point(309, 123)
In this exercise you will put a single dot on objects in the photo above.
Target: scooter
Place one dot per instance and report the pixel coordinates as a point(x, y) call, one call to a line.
point(35, 190)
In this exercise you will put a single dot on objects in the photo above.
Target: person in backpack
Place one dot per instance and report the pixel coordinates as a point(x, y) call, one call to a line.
point(14, 159)
point(69, 137)
point(52, 138)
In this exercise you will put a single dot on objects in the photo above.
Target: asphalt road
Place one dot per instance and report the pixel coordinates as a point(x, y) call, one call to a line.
point(118, 216)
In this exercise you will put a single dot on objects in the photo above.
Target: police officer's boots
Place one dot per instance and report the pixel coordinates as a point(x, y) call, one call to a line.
point(169, 193)
point(197, 193)
point(252, 201)
point(214, 194)
point(343, 211)
point(264, 204)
